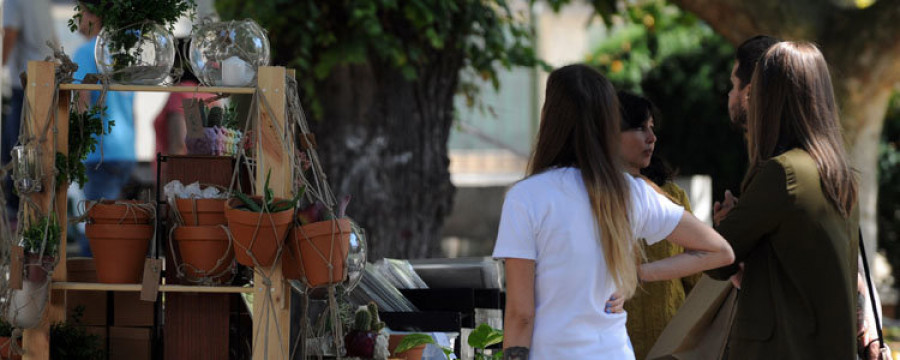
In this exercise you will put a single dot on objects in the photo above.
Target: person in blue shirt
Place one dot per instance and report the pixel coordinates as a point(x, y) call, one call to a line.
point(106, 175)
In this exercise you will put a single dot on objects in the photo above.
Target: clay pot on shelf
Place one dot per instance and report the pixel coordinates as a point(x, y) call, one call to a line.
point(119, 212)
point(119, 251)
point(201, 212)
point(205, 253)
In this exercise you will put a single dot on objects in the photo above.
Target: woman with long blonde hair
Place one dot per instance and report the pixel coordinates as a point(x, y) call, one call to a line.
point(569, 230)
point(796, 225)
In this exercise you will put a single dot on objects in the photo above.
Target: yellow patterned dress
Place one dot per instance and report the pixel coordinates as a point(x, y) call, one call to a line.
point(655, 303)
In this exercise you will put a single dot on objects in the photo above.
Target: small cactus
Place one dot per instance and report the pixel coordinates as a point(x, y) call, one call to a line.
point(363, 320)
point(373, 312)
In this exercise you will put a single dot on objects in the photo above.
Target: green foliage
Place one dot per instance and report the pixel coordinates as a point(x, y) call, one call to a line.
point(652, 31)
point(889, 187)
point(412, 340)
point(84, 127)
point(134, 15)
point(72, 342)
point(482, 337)
point(316, 36)
point(268, 204)
point(681, 65)
point(34, 235)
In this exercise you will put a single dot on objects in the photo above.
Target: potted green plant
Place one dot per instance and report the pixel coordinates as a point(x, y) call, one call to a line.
point(40, 243)
point(259, 225)
point(136, 45)
point(480, 339)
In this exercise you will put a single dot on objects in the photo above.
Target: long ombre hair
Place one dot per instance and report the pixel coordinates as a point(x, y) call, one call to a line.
point(792, 106)
point(580, 129)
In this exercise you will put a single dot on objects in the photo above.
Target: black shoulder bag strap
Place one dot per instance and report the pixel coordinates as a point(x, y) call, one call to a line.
point(862, 251)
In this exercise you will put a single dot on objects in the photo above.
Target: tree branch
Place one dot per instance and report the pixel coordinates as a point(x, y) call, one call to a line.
point(738, 20)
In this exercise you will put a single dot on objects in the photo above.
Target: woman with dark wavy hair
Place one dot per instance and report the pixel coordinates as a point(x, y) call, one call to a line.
point(569, 230)
point(796, 225)
point(651, 308)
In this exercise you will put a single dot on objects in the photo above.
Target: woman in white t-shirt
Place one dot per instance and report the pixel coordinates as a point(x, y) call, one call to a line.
point(568, 232)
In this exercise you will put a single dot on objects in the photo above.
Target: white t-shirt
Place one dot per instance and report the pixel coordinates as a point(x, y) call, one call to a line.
point(547, 218)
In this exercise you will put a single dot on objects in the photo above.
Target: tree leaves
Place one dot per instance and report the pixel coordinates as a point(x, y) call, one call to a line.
point(316, 36)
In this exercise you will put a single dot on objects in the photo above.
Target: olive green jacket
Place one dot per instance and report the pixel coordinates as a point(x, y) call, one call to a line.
point(798, 293)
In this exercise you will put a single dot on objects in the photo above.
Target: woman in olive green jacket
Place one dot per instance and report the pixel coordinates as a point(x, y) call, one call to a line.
point(796, 225)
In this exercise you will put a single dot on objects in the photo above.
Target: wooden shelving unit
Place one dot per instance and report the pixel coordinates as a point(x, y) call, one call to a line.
point(272, 154)
point(74, 286)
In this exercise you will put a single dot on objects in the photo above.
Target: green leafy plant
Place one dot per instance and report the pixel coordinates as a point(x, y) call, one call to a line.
point(317, 36)
point(33, 236)
point(72, 342)
point(482, 337)
point(268, 203)
point(134, 17)
point(83, 126)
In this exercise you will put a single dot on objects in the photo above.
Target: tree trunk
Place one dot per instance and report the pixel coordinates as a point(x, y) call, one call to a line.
point(383, 140)
point(860, 46)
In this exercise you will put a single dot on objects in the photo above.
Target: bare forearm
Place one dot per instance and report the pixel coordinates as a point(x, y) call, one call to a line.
point(517, 331)
point(10, 36)
point(704, 249)
point(687, 263)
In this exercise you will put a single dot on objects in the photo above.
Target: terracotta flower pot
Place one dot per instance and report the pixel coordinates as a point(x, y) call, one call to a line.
point(261, 234)
point(318, 244)
point(201, 247)
point(6, 349)
point(117, 212)
point(411, 354)
point(201, 212)
point(119, 251)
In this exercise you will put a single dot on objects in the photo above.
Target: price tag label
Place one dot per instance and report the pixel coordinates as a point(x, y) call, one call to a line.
point(150, 285)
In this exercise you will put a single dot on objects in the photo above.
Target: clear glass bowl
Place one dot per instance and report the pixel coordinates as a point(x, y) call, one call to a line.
point(356, 258)
point(228, 53)
point(139, 55)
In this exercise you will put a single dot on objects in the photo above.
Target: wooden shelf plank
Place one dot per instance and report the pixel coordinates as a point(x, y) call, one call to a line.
point(156, 88)
point(162, 288)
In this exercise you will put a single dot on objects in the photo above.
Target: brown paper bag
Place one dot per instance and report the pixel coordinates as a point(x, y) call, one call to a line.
point(699, 331)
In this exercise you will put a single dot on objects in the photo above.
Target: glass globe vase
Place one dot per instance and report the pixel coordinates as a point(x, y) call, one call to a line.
point(138, 55)
point(228, 53)
point(356, 257)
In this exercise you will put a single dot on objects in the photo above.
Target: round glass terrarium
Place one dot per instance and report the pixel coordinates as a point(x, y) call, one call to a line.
point(27, 171)
point(138, 55)
point(228, 53)
point(356, 258)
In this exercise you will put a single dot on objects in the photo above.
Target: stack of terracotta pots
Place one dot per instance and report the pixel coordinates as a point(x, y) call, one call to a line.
point(119, 234)
point(206, 251)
